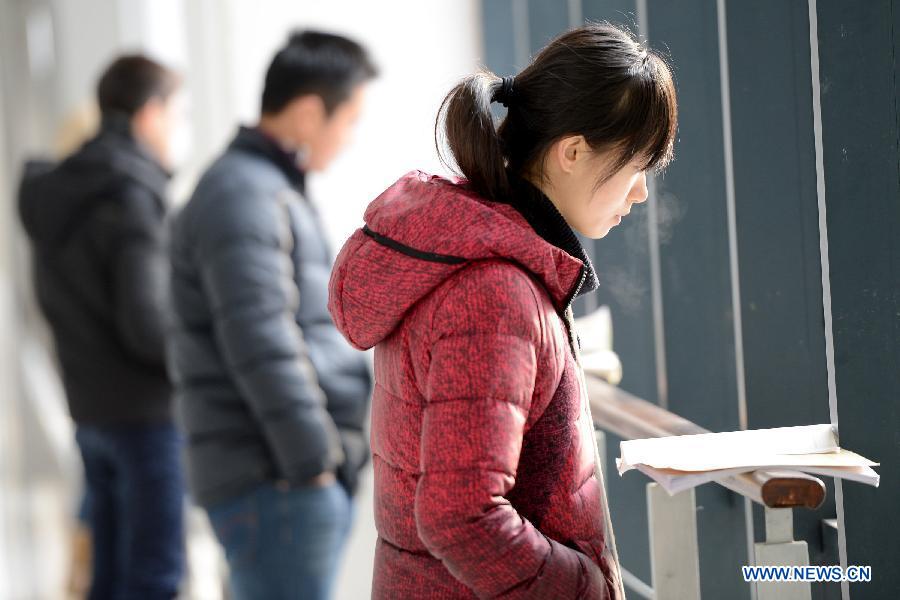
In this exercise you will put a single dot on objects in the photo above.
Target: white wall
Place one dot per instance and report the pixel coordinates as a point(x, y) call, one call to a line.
point(87, 36)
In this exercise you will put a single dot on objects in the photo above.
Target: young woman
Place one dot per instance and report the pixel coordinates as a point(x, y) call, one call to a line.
point(486, 478)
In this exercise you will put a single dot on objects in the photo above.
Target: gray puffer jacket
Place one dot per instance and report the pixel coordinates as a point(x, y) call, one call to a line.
point(266, 387)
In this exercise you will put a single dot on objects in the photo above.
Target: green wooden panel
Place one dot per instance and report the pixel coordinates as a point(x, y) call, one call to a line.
point(620, 12)
point(546, 20)
point(858, 44)
point(498, 36)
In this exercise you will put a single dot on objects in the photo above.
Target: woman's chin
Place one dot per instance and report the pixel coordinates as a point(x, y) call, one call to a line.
point(596, 233)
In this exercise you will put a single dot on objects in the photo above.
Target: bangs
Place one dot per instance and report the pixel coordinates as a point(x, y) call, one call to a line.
point(646, 117)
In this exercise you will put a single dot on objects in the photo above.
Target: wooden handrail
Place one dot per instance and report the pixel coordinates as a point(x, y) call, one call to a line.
point(630, 417)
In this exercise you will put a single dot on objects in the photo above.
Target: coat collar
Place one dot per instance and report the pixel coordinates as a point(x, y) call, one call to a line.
point(253, 140)
point(546, 220)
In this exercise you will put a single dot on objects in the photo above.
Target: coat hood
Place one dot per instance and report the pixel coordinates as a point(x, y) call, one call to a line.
point(421, 231)
point(52, 198)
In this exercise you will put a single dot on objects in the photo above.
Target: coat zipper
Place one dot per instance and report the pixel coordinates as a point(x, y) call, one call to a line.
point(568, 316)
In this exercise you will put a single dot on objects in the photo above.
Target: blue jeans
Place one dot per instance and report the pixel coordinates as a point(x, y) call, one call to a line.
point(136, 490)
point(284, 542)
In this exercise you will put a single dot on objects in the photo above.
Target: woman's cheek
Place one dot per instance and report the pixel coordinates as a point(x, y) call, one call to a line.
point(600, 214)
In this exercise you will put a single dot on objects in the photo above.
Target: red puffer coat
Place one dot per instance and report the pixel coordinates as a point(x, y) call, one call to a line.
point(483, 449)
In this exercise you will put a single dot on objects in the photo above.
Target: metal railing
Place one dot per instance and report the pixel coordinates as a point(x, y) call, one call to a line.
point(674, 552)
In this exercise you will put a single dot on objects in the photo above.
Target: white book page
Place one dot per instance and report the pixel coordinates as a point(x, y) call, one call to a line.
point(731, 449)
point(863, 474)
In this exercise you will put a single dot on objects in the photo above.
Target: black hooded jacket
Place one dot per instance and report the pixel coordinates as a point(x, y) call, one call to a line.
point(96, 222)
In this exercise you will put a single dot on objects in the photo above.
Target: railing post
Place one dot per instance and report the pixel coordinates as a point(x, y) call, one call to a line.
point(781, 549)
point(674, 554)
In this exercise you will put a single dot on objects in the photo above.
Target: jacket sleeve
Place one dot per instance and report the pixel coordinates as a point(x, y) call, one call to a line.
point(478, 391)
point(247, 271)
point(140, 276)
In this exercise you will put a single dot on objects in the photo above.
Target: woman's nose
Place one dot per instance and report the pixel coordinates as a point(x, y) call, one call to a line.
point(639, 191)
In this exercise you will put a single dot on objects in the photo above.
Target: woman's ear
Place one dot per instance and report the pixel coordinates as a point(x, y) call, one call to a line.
point(567, 151)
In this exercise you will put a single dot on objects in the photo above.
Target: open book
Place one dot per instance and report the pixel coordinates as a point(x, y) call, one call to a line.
point(679, 463)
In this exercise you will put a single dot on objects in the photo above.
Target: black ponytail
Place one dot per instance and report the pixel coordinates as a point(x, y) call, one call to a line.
point(467, 124)
point(596, 81)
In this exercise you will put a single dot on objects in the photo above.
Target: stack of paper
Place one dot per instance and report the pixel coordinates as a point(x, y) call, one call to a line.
point(681, 462)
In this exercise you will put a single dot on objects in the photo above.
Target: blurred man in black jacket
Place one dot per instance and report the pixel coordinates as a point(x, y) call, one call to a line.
point(96, 222)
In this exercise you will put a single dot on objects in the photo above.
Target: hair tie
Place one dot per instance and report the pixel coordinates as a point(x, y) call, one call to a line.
point(506, 92)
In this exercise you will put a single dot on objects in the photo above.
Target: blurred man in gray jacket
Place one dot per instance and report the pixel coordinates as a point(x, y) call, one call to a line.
point(273, 400)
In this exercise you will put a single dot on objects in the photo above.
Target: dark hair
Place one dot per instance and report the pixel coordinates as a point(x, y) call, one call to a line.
point(312, 62)
point(596, 81)
point(131, 81)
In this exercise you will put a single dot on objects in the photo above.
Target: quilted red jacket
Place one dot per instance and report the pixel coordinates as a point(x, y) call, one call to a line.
point(483, 449)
